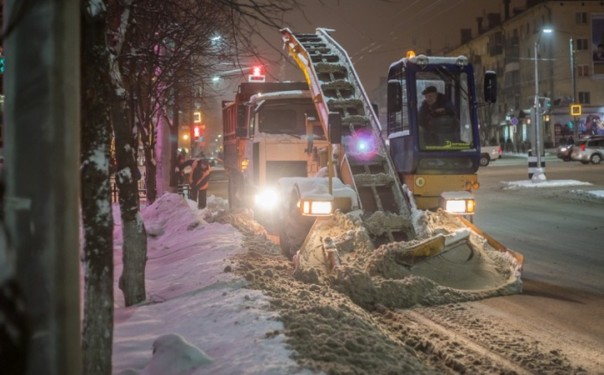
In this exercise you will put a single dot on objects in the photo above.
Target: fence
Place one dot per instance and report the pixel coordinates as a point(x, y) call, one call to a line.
point(142, 191)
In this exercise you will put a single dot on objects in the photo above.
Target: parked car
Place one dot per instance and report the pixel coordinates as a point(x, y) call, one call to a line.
point(488, 154)
point(590, 149)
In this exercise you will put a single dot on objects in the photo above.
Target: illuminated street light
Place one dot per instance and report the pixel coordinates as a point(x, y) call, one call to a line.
point(539, 174)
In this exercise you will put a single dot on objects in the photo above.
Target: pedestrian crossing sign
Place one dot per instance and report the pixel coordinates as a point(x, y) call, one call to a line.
point(575, 110)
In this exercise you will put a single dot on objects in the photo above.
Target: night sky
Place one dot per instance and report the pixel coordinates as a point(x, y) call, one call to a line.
point(376, 33)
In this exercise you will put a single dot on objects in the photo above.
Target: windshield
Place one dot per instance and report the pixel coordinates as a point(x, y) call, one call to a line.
point(443, 113)
point(286, 117)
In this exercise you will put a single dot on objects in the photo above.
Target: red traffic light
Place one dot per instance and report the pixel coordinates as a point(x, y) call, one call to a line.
point(196, 131)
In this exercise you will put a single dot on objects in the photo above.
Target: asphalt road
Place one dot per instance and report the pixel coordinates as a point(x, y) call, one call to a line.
point(562, 239)
point(559, 233)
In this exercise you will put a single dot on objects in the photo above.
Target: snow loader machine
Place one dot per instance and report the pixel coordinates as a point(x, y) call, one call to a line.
point(394, 172)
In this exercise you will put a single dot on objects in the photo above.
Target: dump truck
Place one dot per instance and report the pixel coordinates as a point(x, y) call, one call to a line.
point(271, 135)
point(412, 164)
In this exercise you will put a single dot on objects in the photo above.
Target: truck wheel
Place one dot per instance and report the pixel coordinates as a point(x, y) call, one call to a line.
point(293, 229)
point(484, 160)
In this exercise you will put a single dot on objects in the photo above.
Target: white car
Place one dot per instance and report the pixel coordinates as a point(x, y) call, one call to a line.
point(590, 149)
point(488, 154)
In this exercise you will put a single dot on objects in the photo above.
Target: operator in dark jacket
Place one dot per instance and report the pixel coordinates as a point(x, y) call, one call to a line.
point(434, 106)
point(200, 178)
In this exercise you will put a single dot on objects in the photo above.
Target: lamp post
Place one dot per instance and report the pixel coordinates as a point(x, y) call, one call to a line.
point(539, 173)
point(573, 72)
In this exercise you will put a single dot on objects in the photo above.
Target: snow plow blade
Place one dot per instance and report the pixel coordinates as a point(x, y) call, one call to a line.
point(455, 262)
point(494, 243)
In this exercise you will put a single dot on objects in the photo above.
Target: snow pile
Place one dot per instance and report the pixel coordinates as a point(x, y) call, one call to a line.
point(447, 263)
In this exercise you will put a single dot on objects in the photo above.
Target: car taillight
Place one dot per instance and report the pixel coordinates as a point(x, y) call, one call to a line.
point(583, 147)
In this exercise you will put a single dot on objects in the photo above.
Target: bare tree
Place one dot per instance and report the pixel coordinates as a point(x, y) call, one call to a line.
point(167, 51)
point(137, 55)
point(97, 219)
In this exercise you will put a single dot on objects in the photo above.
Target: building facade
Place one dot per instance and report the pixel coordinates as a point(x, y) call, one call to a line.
point(560, 42)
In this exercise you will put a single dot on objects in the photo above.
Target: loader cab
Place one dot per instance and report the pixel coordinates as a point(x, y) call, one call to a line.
point(431, 116)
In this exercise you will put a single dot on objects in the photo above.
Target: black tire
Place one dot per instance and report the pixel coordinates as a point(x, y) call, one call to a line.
point(484, 160)
point(596, 158)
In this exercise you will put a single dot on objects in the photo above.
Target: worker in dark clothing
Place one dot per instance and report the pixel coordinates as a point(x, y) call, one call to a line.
point(437, 118)
point(200, 178)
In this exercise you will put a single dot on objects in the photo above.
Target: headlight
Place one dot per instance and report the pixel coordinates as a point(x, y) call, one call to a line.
point(458, 203)
point(313, 207)
point(267, 199)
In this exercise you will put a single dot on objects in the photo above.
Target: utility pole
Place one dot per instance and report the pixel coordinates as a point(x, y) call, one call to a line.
point(42, 122)
point(539, 174)
point(573, 74)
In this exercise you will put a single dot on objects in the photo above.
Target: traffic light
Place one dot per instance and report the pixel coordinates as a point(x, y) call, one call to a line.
point(257, 74)
point(545, 104)
point(198, 133)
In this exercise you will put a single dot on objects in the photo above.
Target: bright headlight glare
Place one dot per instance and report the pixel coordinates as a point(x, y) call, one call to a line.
point(267, 199)
point(461, 206)
point(316, 208)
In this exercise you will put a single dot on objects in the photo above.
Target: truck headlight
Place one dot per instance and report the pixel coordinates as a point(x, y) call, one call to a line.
point(267, 199)
point(315, 207)
point(458, 203)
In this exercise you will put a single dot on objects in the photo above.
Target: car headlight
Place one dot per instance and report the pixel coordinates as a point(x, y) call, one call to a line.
point(267, 199)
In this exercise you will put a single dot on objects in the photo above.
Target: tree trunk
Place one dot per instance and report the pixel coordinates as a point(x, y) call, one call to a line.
point(162, 153)
point(150, 172)
point(97, 219)
point(132, 280)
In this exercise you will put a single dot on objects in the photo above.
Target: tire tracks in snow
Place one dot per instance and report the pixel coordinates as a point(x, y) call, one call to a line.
point(466, 342)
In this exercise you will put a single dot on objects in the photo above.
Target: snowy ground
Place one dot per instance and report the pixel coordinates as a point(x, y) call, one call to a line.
point(222, 300)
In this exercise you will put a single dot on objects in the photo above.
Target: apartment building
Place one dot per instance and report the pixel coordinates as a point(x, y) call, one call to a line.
point(560, 42)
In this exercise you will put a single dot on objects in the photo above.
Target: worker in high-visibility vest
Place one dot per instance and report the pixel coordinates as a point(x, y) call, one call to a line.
point(200, 178)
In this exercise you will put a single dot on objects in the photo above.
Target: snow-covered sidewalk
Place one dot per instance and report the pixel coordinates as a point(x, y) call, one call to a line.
point(199, 315)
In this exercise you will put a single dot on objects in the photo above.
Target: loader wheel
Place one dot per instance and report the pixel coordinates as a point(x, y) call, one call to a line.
point(293, 229)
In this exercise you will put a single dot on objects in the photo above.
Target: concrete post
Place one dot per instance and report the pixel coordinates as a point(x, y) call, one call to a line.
point(41, 120)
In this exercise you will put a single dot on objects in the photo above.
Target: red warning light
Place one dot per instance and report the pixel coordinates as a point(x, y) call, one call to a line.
point(257, 74)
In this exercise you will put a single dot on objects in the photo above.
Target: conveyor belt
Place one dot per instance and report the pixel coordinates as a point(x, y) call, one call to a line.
point(335, 87)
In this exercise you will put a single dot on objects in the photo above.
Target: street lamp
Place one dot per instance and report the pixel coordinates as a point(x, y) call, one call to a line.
point(539, 174)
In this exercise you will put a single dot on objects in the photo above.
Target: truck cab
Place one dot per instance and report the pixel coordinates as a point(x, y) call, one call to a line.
point(277, 135)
